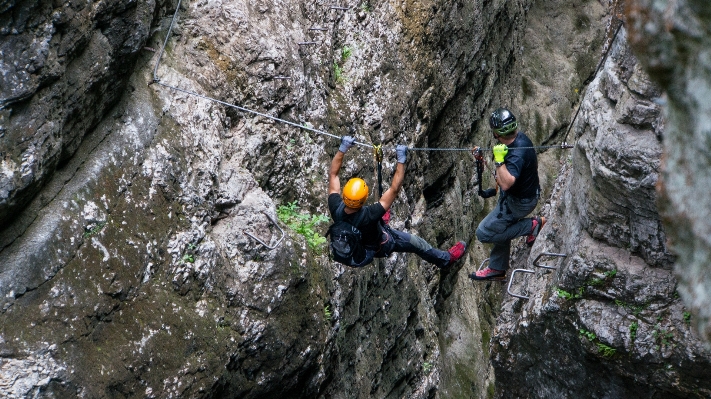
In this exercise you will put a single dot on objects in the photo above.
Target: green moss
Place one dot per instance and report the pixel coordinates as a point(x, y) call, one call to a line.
point(491, 390)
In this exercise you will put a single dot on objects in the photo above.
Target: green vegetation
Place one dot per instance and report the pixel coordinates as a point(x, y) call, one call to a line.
point(605, 350)
point(426, 367)
point(602, 349)
point(327, 312)
point(188, 258)
point(366, 7)
point(338, 73)
point(635, 309)
point(346, 52)
point(588, 334)
point(303, 223)
point(90, 232)
point(662, 337)
point(633, 331)
point(687, 318)
point(598, 281)
point(568, 295)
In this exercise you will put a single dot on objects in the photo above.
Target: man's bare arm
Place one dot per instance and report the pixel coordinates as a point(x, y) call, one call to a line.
point(391, 193)
point(334, 183)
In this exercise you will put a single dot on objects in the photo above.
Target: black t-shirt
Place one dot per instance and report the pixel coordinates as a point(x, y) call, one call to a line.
point(369, 224)
point(523, 165)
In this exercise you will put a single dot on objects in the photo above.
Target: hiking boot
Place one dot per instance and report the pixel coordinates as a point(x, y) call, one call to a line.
point(456, 252)
point(538, 223)
point(489, 274)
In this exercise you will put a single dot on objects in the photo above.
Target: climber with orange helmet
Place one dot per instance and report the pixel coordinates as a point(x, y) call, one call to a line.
point(377, 237)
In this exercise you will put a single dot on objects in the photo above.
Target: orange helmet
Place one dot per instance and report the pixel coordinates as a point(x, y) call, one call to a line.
point(355, 193)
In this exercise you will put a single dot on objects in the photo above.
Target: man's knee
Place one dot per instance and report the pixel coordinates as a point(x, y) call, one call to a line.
point(482, 235)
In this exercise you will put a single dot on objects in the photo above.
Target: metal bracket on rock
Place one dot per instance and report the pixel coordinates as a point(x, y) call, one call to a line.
point(508, 289)
point(262, 242)
point(535, 262)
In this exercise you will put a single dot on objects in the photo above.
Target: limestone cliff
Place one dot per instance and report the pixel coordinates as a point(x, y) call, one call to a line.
point(128, 208)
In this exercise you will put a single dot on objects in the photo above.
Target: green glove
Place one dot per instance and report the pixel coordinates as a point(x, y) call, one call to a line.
point(500, 151)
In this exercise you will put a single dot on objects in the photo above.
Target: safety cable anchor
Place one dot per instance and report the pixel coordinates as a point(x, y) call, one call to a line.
point(280, 230)
point(564, 146)
point(378, 152)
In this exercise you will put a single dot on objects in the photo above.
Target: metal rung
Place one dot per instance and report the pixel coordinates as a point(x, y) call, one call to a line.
point(482, 264)
point(321, 29)
point(508, 289)
point(535, 262)
point(262, 242)
point(281, 77)
point(307, 43)
point(340, 8)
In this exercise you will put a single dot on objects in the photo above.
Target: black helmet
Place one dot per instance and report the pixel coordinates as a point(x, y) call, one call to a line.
point(503, 122)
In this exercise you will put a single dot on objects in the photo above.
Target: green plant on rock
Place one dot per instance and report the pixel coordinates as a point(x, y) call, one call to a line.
point(338, 73)
point(569, 295)
point(303, 223)
point(605, 350)
point(661, 336)
point(633, 331)
point(327, 312)
point(366, 7)
point(588, 334)
point(687, 318)
point(346, 52)
point(426, 367)
point(90, 232)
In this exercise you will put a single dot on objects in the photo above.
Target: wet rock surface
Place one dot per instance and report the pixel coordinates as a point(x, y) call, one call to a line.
point(126, 269)
point(673, 41)
point(609, 318)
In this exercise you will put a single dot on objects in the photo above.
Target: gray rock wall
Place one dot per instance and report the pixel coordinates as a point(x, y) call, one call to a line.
point(672, 41)
point(610, 318)
point(135, 252)
point(126, 270)
point(64, 65)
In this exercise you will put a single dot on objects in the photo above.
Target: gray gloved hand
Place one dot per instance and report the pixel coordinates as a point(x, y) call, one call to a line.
point(346, 143)
point(401, 151)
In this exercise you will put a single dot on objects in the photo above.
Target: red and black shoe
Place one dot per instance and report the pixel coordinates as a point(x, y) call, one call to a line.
point(488, 273)
point(456, 252)
point(537, 224)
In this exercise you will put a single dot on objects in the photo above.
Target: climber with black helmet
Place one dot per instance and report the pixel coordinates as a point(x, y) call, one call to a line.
point(517, 175)
point(378, 237)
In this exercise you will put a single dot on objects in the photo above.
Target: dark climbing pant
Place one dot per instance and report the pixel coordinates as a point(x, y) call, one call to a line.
point(399, 241)
point(503, 224)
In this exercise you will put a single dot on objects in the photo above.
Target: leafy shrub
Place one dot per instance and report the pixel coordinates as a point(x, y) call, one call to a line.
point(303, 223)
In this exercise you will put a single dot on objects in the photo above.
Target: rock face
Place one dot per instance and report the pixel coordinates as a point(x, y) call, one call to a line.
point(609, 317)
point(129, 207)
point(63, 66)
point(673, 42)
point(131, 273)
